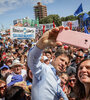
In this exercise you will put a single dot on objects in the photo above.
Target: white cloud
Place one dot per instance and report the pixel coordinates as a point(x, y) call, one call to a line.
point(7, 5)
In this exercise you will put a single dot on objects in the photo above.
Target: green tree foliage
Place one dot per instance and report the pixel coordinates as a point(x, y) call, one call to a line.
point(71, 17)
point(50, 19)
point(58, 21)
point(89, 13)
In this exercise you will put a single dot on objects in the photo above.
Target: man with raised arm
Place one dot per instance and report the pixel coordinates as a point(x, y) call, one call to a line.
point(46, 83)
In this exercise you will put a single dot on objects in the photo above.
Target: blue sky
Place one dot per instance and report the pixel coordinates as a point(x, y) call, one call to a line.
point(18, 9)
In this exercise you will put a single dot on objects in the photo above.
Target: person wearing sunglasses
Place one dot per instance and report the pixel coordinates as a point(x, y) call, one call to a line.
point(79, 57)
point(2, 89)
point(71, 83)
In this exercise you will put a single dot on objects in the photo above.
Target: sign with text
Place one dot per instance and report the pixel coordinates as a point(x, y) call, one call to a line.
point(47, 26)
point(74, 23)
point(22, 32)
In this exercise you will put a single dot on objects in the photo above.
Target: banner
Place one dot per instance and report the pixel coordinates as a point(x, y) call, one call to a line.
point(22, 32)
point(74, 23)
point(47, 26)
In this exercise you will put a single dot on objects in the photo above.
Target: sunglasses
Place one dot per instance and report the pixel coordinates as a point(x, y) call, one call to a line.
point(3, 87)
point(73, 80)
point(79, 56)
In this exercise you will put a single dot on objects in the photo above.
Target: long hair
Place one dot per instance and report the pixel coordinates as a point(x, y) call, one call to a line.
point(79, 87)
point(14, 93)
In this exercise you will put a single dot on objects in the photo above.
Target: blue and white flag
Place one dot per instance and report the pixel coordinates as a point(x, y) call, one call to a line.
point(79, 10)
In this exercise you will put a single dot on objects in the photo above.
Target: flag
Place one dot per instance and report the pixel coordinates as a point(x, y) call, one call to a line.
point(85, 16)
point(24, 21)
point(43, 29)
point(32, 23)
point(37, 22)
point(85, 30)
point(53, 24)
point(29, 22)
point(79, 10)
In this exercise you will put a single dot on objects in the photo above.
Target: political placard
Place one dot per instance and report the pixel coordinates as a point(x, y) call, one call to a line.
point(74, 23)
point(22, 32)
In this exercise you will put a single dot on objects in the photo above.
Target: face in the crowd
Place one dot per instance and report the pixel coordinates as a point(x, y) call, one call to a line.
point(9, 63)
point(22, 46)
point(47, 61)
point(4, 71)
point(60, 63)
point(79, 57)
point(42, 59)
point(72, 80)
point(64, 79)
point(17, 69)
point(2, 89)
point(84, 72)
point(48, 56)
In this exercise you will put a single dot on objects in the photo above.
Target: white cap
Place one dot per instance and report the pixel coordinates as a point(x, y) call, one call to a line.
point(45, 58)
point(16, 62)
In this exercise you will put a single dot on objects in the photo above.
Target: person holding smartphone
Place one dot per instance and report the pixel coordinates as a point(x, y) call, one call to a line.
point(46, 83)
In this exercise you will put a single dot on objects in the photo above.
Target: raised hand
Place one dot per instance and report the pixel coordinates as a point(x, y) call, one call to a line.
point(49, 37)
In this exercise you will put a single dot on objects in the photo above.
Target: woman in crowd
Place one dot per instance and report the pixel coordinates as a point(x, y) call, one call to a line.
point(83, 80)
point(15, 93)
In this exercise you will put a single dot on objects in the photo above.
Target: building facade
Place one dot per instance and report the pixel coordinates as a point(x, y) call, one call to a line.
point(40, 11)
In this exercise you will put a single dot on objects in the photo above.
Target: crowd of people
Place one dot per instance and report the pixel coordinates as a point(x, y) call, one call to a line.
point(43, 69)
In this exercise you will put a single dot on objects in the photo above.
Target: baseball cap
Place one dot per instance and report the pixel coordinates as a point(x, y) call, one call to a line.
point(16, 62)
point(15, 78)
point(4, 66)
point(22, 44)
point(45, 58)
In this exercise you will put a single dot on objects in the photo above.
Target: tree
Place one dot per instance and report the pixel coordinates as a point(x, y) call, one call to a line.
point(89, 13)
point(62, 18)
point(50, 19)
point(71, 17)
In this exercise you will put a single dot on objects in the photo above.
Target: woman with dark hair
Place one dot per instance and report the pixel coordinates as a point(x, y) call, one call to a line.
point(82, 86)
point(15, 93)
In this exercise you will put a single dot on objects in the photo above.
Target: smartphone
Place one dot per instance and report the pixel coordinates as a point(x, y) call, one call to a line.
point(74, 38)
